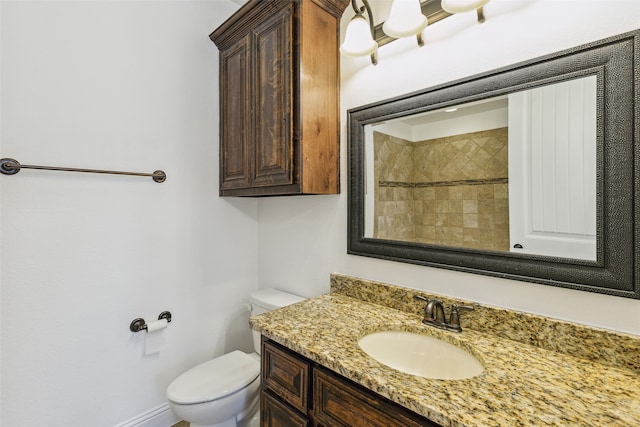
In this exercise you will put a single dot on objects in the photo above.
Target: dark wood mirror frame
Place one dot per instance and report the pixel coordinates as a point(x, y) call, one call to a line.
point(616, 270)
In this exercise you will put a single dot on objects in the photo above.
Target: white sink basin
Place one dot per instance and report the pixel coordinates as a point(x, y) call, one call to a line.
point(420, 355)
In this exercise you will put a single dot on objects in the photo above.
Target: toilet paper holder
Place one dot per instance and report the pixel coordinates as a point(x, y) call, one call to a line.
point(139, 324)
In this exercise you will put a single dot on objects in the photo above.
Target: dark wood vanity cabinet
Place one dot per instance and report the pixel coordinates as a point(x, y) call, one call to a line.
point(297, 392)
point(279, 98)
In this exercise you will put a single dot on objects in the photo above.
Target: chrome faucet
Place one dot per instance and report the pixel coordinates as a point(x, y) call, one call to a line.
point(434, 314)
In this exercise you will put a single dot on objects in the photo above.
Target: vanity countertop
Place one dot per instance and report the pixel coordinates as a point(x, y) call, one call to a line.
point(522, 384)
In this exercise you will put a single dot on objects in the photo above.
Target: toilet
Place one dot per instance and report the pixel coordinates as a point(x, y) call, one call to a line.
point(225, 391)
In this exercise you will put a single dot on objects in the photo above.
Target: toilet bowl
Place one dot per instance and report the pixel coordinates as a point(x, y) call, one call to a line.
point(224, 391)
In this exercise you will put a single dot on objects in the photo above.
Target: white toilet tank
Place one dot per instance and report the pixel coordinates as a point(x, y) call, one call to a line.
point(268, 299)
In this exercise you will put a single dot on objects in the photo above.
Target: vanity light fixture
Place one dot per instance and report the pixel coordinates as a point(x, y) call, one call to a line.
point(460, 6)
point(358, 40)
point(406, 20)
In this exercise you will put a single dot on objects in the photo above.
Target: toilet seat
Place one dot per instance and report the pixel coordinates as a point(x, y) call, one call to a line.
point(214, 379)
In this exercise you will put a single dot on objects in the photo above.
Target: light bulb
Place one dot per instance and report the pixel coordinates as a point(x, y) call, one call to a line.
point(405, 20)
point(358, 40)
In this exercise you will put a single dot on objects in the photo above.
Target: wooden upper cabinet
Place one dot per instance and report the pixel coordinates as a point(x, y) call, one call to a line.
point(279, 98)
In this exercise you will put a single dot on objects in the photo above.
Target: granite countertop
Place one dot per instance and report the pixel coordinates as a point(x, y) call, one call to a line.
point(522, 384)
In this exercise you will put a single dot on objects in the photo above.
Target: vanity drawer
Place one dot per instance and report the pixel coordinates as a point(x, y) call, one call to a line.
point(339, 402)
point(286, 375)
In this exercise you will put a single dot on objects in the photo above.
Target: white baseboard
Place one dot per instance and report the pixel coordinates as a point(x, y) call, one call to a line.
point(160, 416)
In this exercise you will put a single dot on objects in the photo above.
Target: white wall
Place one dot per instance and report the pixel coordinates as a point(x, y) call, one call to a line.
point(124, 85)
point(303, 239)
point(132, 85)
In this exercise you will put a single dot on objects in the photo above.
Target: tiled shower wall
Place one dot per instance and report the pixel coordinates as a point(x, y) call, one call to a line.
point(449, 191)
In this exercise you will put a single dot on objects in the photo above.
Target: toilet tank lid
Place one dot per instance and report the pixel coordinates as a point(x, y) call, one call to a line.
point(271, 299)
point(214, 379)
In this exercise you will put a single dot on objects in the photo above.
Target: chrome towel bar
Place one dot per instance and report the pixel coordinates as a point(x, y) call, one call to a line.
point(12, 166)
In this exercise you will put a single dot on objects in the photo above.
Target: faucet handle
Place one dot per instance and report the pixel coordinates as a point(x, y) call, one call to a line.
point(421, 298)
point(454, 320)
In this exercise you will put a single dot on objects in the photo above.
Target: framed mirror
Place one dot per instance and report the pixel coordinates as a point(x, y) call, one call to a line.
point(527, 172)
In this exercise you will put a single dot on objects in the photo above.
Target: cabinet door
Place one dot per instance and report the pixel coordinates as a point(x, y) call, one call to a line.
point(235, 78)
point(338, 402)
point(273, 102)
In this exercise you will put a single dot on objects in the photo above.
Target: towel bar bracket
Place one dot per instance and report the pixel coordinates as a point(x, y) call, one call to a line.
point(9, 166)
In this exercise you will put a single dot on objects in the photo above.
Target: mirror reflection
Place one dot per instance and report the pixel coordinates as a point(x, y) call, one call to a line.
point(576, 204)
point(514, 173)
